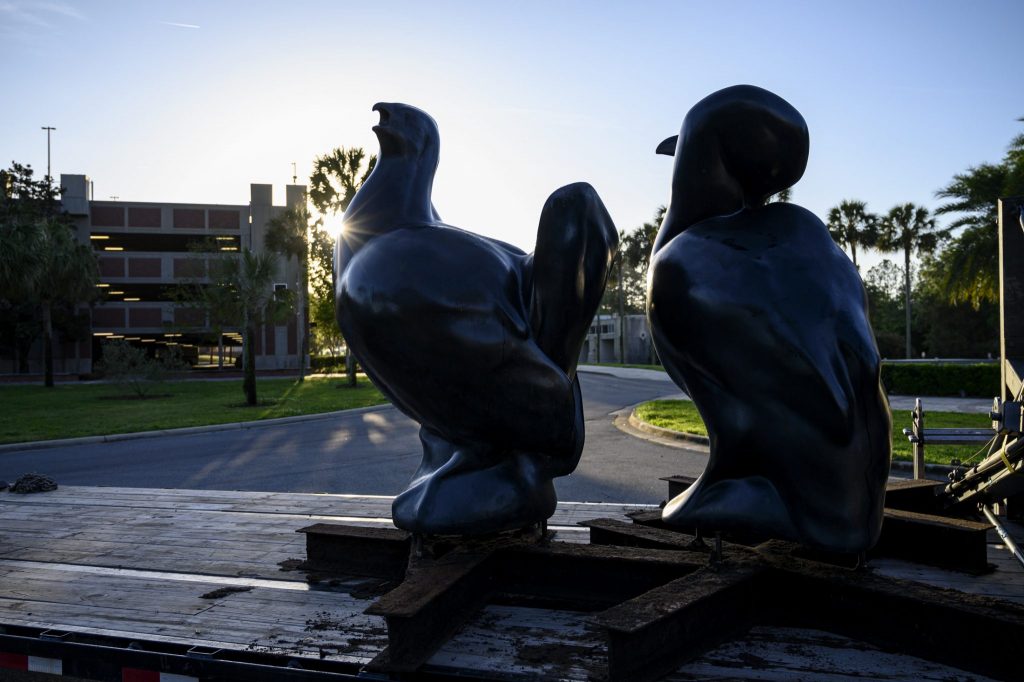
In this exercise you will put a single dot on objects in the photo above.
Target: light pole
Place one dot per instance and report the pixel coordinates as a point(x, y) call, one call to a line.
point(48, 129)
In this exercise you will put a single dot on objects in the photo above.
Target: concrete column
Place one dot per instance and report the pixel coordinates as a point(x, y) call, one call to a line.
point(260, 211)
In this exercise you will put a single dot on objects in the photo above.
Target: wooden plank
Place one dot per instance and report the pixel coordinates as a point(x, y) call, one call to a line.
point(774, 654)
point(329, 507)
point(216, 536)
point(305, 622)
point(566, 645)
point(525, 643)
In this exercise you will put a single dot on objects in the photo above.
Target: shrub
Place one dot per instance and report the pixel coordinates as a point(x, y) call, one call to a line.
point(131, 367)
point(979, 380)
point(327, 363)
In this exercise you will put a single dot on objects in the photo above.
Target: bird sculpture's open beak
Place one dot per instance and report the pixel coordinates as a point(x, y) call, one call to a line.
point(385, 115)
point(667, 146)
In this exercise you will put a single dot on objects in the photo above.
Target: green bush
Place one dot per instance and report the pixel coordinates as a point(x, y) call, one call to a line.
point(327, 363)
point(979, 380)
point(132, 369)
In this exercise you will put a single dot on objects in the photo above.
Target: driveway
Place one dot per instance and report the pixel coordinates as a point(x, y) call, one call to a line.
point(371, 451)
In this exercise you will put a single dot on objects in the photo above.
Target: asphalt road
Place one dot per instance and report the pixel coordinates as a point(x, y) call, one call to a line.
point(368, 452)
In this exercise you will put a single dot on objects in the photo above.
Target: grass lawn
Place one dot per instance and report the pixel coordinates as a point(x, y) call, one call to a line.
point(681, 415)
point(68, 410)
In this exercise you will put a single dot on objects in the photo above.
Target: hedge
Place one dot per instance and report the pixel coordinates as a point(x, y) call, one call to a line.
point(979, 380)
point(327, 363)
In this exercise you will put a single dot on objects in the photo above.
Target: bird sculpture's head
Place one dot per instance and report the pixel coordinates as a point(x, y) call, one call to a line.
point(406, 132)
point(748, 137)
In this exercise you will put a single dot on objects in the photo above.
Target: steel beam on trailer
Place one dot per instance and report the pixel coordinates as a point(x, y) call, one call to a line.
point(357, 550)
point(113, 659)
point(913, 527)
point(662, 602)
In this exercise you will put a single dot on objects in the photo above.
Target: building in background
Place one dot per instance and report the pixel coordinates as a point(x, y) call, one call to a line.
point(143, 249)
point(625, 340)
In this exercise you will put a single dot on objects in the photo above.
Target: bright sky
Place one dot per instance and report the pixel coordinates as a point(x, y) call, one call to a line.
point(190, 101)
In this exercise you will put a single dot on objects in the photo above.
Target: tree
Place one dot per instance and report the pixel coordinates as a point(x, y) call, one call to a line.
point(629, 270)
point(67, 276)
point(288, 234)
point(23, 204)
point(41, 260)
point(131, 367)
point(971, 266)
point(911, 229)
point(850, 224)
point(626, 288)
point(883, 284)
point(249, 277)
point(326, 336)
point(336, 178)
point(949, 329)
point(216, 303)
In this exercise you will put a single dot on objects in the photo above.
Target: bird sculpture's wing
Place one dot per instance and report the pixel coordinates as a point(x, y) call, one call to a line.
point(445, 334)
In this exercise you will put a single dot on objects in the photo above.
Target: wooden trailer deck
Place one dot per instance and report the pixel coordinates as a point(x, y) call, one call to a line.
point(204, 568)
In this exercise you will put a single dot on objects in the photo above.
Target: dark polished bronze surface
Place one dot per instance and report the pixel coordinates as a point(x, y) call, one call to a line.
point(762, 319)
point(471, 337)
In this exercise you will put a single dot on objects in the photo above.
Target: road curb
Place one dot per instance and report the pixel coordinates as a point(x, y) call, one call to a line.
point(641, 425)
point(941, 470)
point(184, 431)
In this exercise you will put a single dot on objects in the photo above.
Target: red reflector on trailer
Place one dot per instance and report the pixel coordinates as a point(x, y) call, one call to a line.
point(13, 661)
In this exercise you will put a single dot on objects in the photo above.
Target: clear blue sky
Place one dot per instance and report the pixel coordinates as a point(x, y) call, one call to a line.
point(191, 101)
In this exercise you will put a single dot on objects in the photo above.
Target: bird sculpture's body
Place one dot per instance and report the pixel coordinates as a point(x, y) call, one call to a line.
point(762, 319)
point(469, 336)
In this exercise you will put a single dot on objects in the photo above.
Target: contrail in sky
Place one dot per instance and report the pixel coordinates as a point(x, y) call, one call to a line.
point(174, 23)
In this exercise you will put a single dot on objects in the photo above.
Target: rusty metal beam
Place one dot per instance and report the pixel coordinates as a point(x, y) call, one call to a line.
point(655, 633)
point(429, 606)
point(943, 541)
point(356, 550)
point(975, 633)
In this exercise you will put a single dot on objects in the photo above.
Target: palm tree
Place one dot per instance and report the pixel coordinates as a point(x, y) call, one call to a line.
point(288, 235)
point(68, 276)
point(971, 274)
point(911, 229)
point(250, 277)
point(850, 224)
point(41, 260)
point(337, 177)
point(23, 204)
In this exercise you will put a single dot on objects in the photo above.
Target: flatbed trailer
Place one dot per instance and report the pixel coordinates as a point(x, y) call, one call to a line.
point(135, 585)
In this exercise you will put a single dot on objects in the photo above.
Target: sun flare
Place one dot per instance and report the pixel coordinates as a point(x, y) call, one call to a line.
point(333, 225)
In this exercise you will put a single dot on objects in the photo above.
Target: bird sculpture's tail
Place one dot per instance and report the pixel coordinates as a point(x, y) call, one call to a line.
point(576, 241)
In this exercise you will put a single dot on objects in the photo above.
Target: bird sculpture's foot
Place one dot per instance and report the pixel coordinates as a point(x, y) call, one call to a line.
point(473, 490)
point(747, 504)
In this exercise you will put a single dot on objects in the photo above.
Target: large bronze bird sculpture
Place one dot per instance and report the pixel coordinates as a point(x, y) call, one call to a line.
point(762, 320)
point(471, 337)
